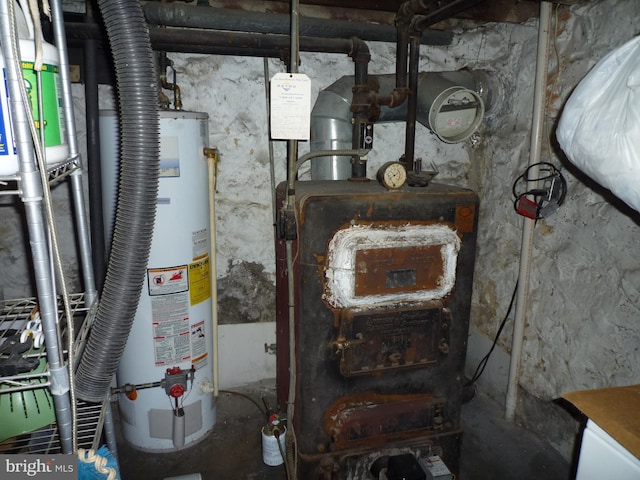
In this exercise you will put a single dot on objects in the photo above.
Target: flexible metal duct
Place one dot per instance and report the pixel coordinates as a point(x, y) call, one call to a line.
point(138, 191)
point(331, 118)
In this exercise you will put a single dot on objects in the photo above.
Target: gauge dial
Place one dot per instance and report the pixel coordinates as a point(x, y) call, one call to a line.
point(392, 175)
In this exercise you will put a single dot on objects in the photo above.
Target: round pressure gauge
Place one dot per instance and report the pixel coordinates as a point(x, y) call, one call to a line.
point(392, 175)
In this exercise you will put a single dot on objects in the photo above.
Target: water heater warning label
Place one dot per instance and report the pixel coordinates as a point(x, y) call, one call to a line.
point(163, 281)
point(169, 293)
point(199, 282)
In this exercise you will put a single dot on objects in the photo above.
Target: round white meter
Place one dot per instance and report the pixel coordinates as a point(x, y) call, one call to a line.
point(456, 114)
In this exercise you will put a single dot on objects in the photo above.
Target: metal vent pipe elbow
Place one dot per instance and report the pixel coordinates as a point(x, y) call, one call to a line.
point(331, 117)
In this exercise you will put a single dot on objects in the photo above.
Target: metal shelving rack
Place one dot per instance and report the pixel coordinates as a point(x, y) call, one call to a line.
point(78, 424)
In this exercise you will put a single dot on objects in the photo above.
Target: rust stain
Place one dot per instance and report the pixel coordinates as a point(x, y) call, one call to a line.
point(465, 218)
point(370, 210)
point(372, 419)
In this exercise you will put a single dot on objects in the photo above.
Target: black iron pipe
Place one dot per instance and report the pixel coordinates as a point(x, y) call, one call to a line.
point(423, 21)
point(402, 47)
point(361, 105)
point(430, 11)
point(412, 105)
point(98, 247)
point(414, 17)
point(193, 16)
point(246, 40)
point(192, 40)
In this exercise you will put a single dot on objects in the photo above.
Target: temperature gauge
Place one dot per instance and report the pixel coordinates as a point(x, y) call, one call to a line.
point(392, 175)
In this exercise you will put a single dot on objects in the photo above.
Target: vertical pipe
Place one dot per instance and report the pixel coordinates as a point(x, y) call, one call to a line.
point(539, 97)
point(212, 160)
point(359, 167)
point(401, 57)
point(292, 147)
point(77, 189)
point(412, 105)
point(93, 154)
point(272, 170)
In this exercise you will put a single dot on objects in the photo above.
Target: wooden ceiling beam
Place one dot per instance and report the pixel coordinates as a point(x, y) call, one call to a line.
point(383, 11)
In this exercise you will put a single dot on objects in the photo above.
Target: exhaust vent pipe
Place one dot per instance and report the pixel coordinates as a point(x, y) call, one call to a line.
point(450, 104)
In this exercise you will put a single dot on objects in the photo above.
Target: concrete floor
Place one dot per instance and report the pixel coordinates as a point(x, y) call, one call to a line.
point(492, 448)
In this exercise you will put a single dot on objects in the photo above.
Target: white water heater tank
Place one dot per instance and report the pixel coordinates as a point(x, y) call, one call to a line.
point(171, 337)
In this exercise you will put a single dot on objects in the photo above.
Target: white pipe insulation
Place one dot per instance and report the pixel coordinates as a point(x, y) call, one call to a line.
point(540, 89)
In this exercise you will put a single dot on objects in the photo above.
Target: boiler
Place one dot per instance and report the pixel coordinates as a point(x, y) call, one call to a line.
point(383, 282)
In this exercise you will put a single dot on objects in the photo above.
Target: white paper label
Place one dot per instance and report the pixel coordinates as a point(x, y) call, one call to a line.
point(290, 106)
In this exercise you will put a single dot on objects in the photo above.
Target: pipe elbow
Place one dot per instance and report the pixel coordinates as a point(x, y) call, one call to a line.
point(393, 99)
point(359, 50)
point(398, 96)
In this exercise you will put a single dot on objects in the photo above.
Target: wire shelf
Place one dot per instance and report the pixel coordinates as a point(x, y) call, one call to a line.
point(46, 440)
point(55, 173)
point(14, 316)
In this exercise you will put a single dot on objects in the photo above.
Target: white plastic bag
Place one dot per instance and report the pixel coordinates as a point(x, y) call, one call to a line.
point(599, 129)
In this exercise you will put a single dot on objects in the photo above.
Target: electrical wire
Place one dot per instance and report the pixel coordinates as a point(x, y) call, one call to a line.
point(230, 392)
point(483, 363)
point(547, 196)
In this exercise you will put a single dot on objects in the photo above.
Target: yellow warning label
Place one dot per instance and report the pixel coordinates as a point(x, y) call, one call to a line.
point(199, 283)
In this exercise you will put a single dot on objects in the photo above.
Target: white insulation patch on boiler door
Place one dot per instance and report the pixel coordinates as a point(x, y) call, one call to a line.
point(344, 269)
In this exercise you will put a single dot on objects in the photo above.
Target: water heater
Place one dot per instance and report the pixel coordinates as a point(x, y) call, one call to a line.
point(169, 353)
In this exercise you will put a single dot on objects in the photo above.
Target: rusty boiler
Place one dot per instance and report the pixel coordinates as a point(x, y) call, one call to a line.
point(383, 290)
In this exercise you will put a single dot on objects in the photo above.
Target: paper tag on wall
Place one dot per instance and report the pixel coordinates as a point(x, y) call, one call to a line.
point(290, 106)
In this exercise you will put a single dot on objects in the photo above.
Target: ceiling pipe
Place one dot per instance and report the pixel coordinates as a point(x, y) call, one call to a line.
point(331, 117)
point(185, 40)
point(424, 13)
point(210, 18)
point(412, 19)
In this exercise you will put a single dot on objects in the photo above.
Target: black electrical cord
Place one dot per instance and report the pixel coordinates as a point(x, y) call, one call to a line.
point(483, 363)
point(231, 392)
point(546, 197)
